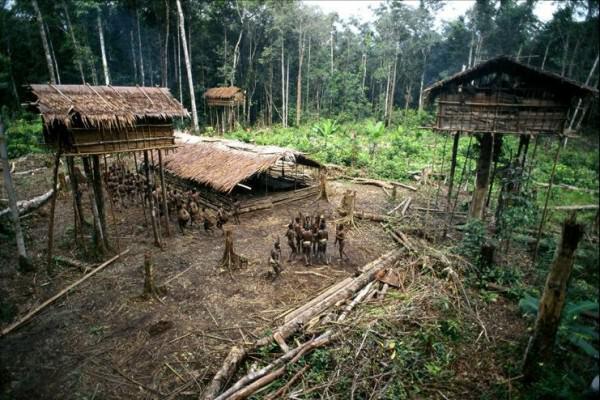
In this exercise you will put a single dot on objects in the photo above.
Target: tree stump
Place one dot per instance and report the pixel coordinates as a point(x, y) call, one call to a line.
point(552, 301)
point(150, 288)
point(347, 206)
point(323, 195)
point(230, 259)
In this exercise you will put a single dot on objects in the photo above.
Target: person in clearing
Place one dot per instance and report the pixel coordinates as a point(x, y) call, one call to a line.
point(340, 237)
point(275, 259)
point(322, 238)
point(306, 245)
point(291, 239)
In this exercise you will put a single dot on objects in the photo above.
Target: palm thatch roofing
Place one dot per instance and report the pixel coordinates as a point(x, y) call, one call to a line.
point(221, 164)
point(223, 93)
point(107, 107)
point(533, 76)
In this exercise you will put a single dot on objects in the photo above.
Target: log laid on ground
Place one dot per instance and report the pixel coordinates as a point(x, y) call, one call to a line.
point(567, 187)
point(72, 263)
point(405, 208)
point(37, 309)
point(25, 206)
point(30, 171)
point(366, 215)
point(345, 291)
point(397, 207)
point(317, 299)
point(581, 207)
point(369, 271)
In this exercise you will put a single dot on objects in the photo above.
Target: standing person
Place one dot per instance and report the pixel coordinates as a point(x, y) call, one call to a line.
point(275, 259)
point(291, 239)
point(306, 246)
point(298, 232)
point(340, 237)
point(322, 238)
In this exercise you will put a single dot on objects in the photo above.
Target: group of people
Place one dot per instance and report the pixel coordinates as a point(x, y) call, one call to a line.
point(309, 237)
point(188, 211)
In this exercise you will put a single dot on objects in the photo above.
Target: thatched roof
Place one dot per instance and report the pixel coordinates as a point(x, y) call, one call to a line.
point(223, 93)
point(221, 164)
point(103, 106)
point(543, 79)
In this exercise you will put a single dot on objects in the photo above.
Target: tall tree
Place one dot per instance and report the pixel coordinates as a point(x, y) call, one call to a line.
point(188, 66)
point(102, 47)
point(41, 25)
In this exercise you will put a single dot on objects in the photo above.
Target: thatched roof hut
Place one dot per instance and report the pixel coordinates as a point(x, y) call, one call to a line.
point(102, 119)
point(222, 164)
point(224, 96)
point(505, 96)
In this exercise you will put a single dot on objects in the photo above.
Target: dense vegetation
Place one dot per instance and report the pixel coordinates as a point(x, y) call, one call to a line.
point(295, 62)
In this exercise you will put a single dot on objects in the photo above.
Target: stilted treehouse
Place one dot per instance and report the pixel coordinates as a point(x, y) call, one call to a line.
point(222, 171)
point(93, 121)
point(224, 107)
point(504, 97)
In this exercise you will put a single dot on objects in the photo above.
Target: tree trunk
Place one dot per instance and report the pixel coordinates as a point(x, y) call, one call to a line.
point(12, 202)
point(133, 58)
point(165, 59)
point(306, 107)
point(102, 49)
point(422, 82)
point(392, 91)
point(52, 209)
point(364, 74)
point(283, 119)
point(141, 57)
point(188, 66)
point(236, 55)
point(151, 199)
point(54, 61)
point(45, 44)
point(299, 81)
point(75, 43)
point(331, 49)
point(565, 55)
point(483, 177)
point(552, 301)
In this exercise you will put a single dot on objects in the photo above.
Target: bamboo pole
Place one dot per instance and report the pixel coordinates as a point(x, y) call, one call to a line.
point(452, 169)
point(37, 309)
point(545, 210)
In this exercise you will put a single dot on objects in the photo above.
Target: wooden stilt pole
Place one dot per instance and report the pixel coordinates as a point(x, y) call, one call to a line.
point(437, 193)
point(151, 200)
point(52, 210)
point(164, 193)
point(24, 261)
point(98, 236)
point(452, 169)
point(545, 210)
point(462, 177)
point(99, 194)
point(486, 150)
point(531, 162)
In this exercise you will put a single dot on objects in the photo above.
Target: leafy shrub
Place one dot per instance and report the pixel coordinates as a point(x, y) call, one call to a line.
point(24, 136)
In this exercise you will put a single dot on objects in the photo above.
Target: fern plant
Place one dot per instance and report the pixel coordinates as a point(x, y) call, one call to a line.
point(571, 328)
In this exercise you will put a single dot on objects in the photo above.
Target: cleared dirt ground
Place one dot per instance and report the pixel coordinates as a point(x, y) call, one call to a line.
point(102, 341)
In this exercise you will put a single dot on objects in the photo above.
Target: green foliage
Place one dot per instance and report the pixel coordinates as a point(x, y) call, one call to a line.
point(571, 329)
point(474, 236)
point(24, 136)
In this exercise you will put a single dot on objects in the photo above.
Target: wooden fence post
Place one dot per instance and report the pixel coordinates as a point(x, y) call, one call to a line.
point(552, 301)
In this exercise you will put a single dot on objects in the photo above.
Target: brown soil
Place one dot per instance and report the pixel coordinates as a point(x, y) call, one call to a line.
point(97, 339)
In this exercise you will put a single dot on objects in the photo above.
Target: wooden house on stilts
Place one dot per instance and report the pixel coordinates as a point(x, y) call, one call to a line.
point(504, 97)
point(224, 105)
point(94, 121)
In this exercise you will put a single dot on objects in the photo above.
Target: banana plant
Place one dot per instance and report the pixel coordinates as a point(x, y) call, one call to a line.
point(579, 335)
point(374, 131)
point(327, 128)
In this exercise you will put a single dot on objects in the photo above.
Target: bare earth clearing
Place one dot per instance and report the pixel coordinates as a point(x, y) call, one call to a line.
point(101, 340)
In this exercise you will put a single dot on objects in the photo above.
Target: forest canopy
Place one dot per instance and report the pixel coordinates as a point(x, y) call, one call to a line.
point(295, 62)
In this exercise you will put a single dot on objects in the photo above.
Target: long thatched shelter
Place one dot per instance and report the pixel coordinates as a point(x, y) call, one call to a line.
point(224, 106)
point(93, 121)
point(226, 169)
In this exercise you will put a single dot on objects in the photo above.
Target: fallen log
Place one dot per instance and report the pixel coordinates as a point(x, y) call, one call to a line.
point(52, 299)
point(30, 171)
point(405, 208)
point(397, 207)
point(367, 275)
point(25, 206)
point(83, 267)
point(237, 355)
point(581, 207)
point(366, 215)
point(317, 299)
point(566, 187)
